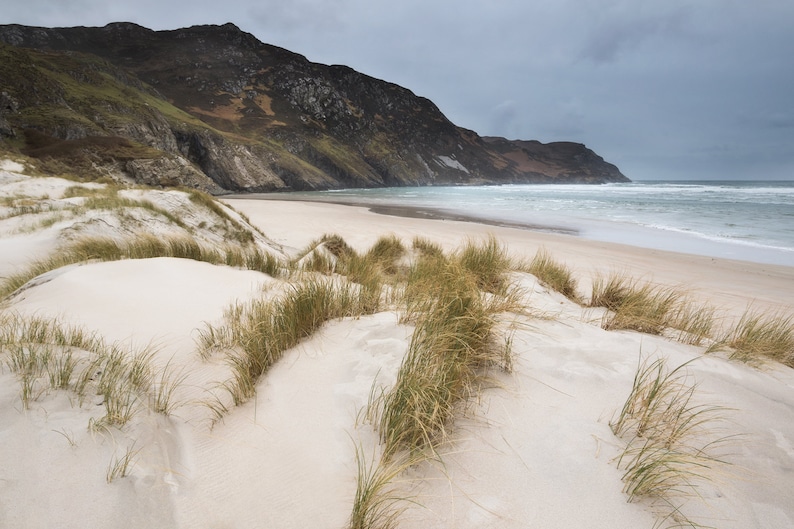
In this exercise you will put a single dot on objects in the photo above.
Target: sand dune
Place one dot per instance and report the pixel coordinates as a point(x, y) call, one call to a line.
point(533, 450)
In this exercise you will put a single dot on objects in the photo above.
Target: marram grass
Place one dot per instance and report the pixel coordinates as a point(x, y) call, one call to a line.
point(141, 247)
point(667, 453)
point(760, 335)
point(47, 355)
point(452, 346)
point(488, 263)
point(553, 274)
point(258, 333)
point(651, 309)
point(377, 505)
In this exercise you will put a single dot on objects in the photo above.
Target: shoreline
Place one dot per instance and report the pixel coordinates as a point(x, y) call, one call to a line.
point(730, 285)
point(628, 234)
point(413, 212)
point(416, 212)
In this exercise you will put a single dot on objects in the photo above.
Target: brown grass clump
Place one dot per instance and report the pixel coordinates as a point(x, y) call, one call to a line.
point(646, 308)
point(426, 248)
point(651, 309)
point(760, 335)
point(141, 247)
point(256, 335)
point(665, 456)
point(610, 292)
point(487, 262)
point(452, 345)
point(554, 275)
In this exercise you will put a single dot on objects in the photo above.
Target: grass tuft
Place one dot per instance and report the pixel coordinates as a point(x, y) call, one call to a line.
point(385, 254)
point(376, 505)
point(258, 333)
point(651, 309)
point(487, 262)
point(120, 467)
point(162, 396)
point(610, 292)
point(141, 247)
point(761, 335)
point(453, 343)
point(665, 456)
point(554, 275)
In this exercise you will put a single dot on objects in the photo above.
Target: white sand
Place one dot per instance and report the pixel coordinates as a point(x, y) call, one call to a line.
point(535, 452)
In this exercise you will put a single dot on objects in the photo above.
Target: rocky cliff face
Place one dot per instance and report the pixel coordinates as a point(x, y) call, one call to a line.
point(212, 107)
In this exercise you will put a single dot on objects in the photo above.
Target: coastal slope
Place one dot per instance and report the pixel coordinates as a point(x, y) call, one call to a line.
point(212, 107)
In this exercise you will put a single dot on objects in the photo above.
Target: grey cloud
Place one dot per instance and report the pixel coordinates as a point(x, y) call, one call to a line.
point(625, 27)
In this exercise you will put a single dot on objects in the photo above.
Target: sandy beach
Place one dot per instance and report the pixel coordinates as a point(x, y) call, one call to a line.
point(533, 449)
point(730, 285)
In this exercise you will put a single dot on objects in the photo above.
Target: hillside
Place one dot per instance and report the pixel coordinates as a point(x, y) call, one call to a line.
point(214, 108)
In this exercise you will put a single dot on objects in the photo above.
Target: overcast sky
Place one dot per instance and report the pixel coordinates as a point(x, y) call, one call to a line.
point(665, 89)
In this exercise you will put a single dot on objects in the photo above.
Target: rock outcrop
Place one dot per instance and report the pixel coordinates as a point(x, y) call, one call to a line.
point(211, 106)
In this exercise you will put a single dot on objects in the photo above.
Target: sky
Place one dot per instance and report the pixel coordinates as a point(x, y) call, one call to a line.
point(664, 89)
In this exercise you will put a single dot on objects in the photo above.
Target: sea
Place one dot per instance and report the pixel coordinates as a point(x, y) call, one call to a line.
point(745, 220)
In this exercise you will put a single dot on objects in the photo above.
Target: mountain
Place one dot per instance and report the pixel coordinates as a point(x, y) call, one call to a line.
point(213, 107)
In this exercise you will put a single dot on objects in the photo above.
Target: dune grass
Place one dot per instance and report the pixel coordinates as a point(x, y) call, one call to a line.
point(377, 505)
point(651, 309)
point(325, 255)
point(373, 270)
point(257, 334)
point(553, 274)
point(646, 308)
point(611, 291)
point(142, 247)
point(488, 263)
point(386, 253)
point(234, 230)
point(665, 456)
point(760, 335)
point(48, 355)
point(120, 467)
point(452, 346)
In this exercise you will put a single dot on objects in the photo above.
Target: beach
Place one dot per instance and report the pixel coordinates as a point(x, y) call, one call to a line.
point(533, 448)
point(729, 284)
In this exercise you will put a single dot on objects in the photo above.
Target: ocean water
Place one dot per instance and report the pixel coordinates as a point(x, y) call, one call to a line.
point(751, 221)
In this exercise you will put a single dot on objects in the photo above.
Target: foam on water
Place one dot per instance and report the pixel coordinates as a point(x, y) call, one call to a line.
point(752, 221)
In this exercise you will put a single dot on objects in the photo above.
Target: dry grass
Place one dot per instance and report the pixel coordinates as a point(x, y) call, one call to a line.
point(141, 247)
point(452, 346)
point(48, 355)
point(651, 309)
point(377, 505)
point(666, 456)
point(554, 275)
point(488, 263)
point(610, 292)
point(647, 308)
point(760, 335)
point(257, 334)
point(120, 467)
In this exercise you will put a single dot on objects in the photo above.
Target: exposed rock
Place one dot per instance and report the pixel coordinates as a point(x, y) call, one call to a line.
point(557, 161)
point(169, 171)
point(7, 106)
point(250, 116)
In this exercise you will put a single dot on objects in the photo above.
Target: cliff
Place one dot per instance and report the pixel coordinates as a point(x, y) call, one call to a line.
point(213, 107)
